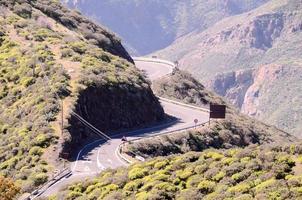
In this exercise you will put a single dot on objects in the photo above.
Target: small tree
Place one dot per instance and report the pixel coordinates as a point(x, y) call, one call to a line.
point(8, 190)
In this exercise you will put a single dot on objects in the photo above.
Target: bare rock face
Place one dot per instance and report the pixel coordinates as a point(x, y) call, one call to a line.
point(264, 30)
point(258, 33)
point(269, 93)
point(233, 85)
point(113, 108)
point(264, 79)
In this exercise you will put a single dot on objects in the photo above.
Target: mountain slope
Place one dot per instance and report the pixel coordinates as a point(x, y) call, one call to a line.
point(252, 59)
point(255, 172)
point(53, 58)
point(151, 25)
point(236, 130)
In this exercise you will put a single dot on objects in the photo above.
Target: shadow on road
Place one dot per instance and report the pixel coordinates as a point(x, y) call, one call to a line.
point(148, 131)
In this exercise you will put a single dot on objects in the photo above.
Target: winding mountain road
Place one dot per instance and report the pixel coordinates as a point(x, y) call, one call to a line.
point(100, 155)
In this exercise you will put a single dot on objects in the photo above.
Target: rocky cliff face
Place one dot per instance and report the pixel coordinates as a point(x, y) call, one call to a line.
point(269, 93)
point(233, 85)
point(113, 108)
point(229, 57)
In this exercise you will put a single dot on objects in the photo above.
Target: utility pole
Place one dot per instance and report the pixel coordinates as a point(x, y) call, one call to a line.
point(62, 116)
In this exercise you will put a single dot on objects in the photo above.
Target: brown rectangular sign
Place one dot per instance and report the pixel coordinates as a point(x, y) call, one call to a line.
point(217, 111)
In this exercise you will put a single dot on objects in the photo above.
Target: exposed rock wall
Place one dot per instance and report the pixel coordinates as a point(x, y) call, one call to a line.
point(233, 85)
point(260, 91)
point(112, 108)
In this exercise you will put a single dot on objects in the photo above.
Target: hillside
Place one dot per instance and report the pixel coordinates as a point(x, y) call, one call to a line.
point(237, 130)
point(147, 26)
point(49, 57)
point(240, 174)
point(252, 59)
point(270, 171)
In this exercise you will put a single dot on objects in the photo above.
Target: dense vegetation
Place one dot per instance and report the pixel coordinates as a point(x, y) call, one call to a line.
point(251, 173)
point(236, 130)
point(49, 54)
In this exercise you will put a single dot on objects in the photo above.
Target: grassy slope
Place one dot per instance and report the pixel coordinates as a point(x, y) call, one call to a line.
point(48, 53)
point(250, 173)
point(228, 46)
point(236, 130)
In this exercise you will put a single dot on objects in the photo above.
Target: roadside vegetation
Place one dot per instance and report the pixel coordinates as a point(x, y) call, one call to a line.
point(254, 172)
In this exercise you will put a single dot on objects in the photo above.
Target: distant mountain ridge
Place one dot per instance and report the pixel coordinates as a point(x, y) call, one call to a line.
point(150, 25)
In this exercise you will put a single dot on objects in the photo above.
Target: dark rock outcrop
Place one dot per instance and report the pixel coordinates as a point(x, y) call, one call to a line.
point(113, 108)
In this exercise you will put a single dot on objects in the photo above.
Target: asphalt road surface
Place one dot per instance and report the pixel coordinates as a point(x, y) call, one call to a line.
point(100, 155)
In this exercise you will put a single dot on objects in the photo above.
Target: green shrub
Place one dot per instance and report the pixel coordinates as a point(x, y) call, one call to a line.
point(66, 53)
point(39, 178)
point(27, 81)
point(79, 47)
point(262, 186)
point(238, 177)
point(137, 173)
point(108, 189)
point(161, 177)
point(23, 10)
point(42, 140)
point(74, 195)
point(166, 187)
point(219, 176)
point(133, 185)
point(214, 155)
point(184, 174)
point(206, 186)
point(161, 164)
point(35, 151)
point(142, 196)
point(240, 188)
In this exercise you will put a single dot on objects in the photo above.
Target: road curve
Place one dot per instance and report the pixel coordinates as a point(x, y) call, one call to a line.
point(100, 155)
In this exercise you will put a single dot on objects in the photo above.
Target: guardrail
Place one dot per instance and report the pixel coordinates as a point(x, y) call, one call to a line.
point(152, 136)
point(155, 60)
point(185, 105)
point(38, 192)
